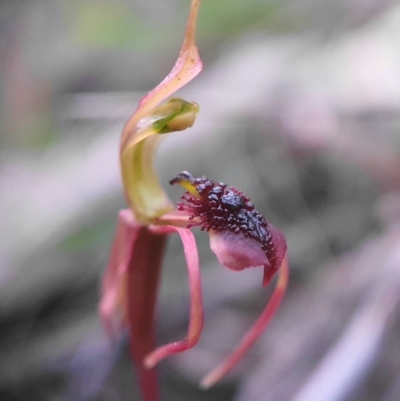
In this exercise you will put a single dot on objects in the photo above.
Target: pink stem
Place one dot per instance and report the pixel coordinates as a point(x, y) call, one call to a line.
point(254, 333)
point(196, 305)
point(142, 284)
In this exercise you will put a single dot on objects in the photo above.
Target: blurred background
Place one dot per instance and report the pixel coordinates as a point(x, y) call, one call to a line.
point(300, 109)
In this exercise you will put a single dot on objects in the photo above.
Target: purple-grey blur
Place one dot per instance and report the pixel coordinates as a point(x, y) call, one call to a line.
point(299, 109)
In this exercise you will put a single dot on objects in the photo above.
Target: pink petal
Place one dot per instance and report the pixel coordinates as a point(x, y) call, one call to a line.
point(254, 333)
point(113, 292)
point(238, 251)
point(196, 303)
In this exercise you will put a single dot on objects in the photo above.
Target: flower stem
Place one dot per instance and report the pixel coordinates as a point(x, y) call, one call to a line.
point(143, 278)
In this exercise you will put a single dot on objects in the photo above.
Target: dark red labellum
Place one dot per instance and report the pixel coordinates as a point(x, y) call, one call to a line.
point(224, 209)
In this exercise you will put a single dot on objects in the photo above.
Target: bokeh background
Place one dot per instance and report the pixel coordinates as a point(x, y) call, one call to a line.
point(300, 109)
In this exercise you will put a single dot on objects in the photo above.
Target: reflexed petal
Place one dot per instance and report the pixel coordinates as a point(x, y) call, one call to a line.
point(254, 333)
point(196, 304)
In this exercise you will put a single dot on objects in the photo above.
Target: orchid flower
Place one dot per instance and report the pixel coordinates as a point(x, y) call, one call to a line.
point(239, 235)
